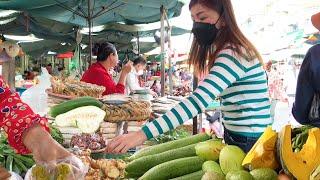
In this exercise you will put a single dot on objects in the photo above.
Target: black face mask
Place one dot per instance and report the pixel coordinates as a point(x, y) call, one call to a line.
point(205, 33)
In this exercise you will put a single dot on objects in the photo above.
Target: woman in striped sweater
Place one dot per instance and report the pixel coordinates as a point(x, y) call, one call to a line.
point(234, 72)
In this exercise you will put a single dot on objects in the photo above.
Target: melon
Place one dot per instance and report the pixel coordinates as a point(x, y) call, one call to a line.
point(239, 175)
point(264, 174)
point(209, 150)
point(231, 158)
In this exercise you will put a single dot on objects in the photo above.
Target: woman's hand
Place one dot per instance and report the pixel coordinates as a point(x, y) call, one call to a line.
point(43, 147)
point(127, 67)
point(123, 143)
point(4, 174)
point(154, 94)
point(47, 151)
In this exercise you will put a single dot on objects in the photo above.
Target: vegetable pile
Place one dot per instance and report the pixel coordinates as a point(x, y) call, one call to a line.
point(88, 141)
point(102, 169)
point(167, 160)
point(199, 157)
point(12, 161)
point(56, 134)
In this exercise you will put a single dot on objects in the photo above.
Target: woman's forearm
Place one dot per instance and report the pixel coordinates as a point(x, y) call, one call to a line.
point(33, 136)
point(122, 78)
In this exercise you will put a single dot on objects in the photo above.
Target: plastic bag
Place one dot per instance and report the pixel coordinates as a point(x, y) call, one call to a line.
point(36, 96)
point(15, 176)
point(78, 172)
point(314, 113)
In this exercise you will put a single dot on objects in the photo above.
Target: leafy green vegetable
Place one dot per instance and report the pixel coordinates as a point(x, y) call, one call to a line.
point(299, 137)
point(170, 136)
point(12, 161)
point(56, 134)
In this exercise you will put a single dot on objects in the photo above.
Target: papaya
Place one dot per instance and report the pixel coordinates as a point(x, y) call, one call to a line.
point(299, 164)
point(263, 153)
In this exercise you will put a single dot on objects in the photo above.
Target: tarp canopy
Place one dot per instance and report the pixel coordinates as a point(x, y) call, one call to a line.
point(52, 21)
point(106, 11)
point(40, 48)
point(42, 28)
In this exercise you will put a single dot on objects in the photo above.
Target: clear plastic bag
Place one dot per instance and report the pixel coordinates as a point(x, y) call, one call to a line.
point(36, 96)
point(314, 113)
point(15, 176)
point(78, 169)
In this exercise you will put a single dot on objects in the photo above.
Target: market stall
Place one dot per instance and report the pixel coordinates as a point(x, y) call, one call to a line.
point(86, 125)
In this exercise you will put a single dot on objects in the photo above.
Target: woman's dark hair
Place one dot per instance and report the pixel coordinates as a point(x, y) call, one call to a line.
point(139, 60)
point(103, 50)
point(203, 57)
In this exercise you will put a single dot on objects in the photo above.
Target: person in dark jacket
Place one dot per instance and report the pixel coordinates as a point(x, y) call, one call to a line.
point(308, 82)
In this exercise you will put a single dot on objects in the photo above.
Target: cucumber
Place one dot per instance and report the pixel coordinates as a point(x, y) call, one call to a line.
point(138, 167)
point(174, 168)
point(192, 176)
point(156, 149)
point(74, 103)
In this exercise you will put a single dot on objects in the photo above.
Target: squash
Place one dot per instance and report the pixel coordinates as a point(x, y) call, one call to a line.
point(299, 164)
point(315, 174)
point(263, 153)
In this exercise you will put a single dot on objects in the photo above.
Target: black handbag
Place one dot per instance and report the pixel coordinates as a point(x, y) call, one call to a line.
point(314, 113)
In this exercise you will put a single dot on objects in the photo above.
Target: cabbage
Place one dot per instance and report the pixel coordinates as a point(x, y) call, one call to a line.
point(231, 158)
point(209, 150)
point(211, 166)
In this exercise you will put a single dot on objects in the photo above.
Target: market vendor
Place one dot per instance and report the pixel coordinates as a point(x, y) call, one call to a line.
point(28, 132)
point(132, 83)
point(308, 86)
point(235, 73)
point(99, 72)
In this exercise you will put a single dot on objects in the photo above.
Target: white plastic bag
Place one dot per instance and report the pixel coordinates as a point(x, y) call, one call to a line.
point(36, 96)
point(79, 170)
point(15, 176)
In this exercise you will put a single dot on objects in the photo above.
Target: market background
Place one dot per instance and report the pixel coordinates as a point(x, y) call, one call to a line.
point(61, 33)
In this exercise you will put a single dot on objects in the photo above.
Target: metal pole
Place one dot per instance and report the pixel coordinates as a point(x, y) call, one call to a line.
point(79, 56)
point(138, 42)
point(90, 35)
point(170, 63)
point(195, 119)
point(162, 52)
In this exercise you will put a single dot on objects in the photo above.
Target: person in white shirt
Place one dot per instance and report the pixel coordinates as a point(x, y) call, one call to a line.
point(132, 82)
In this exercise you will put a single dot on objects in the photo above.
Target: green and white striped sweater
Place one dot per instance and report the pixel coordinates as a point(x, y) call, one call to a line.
point(242, 86)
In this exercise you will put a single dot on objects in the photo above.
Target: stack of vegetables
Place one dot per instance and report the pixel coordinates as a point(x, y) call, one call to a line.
point(167, 160)
point(295, 150)
point(12, 161)
point(199, 157)
point(102, 169)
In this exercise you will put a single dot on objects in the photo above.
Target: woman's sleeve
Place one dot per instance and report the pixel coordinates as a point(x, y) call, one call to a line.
point(131, 82)
point(112, 88)
point(16, 117)
point(306, 88)
point(226, 70)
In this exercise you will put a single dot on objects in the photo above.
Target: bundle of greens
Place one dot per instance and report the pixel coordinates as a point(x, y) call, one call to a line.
point(56, 134)
point(170, 136)
point(299, 137)
point(12, 161)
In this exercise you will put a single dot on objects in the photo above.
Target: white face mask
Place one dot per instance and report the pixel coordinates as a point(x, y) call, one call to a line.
point(140, 72)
